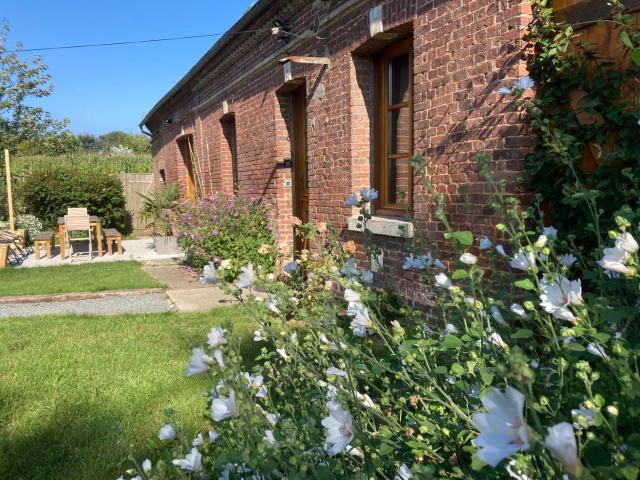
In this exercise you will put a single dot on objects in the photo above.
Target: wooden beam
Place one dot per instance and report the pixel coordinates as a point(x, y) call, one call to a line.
point(7, 167)
point(300, 59)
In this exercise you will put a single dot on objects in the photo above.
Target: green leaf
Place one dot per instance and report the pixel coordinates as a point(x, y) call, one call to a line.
point(525, 284)
point(459, 275)
point(463, 238)
point(624, 36)
point(442, 370)
point(522, 333)
point(576, 347)
point(457, 369)
point(451, 341)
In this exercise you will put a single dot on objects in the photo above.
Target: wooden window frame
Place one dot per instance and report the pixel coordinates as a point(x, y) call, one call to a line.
point(382, 108)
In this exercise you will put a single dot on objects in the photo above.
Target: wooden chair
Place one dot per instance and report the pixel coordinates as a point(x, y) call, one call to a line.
point(43, 240)
point(16, 245)
point(73, 212)
point(78, 223)
point(112, 235)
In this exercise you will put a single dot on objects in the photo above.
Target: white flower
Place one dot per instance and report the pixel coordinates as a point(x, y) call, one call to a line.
point(568, 259)
point(216, 337)
point(587, 413)
point(213, 436)
point(558, 295)
point(291, 267)
point(218, 356)
point(561, 441)
point(503, 430)
point(550, 232)
point(349, 269)
point(504, 91)
point(418, 263)
point(523, 260)
point(468, 258)
point(524, 83)
point(258, 335)
point(198, 440)
point(272, 418)
point(283, 353)
point(352, 201)
point(351, 295)
point(137, 477)
point(368, 194)
point(597, 350)
point(541, 242)
point(403, 473)
point(245, 279)
point(451, 328)
point(338, 429)
point(225, 264)
point(500, 250)
point(627, 243)
point(438, 264)
point(223, 408)
point(485, 243)
point(365, 400)
point(256, 382)
point(496, 339)
point(534, 364)
point(167, 432)
point(614, 260)
point(271, 305)
point(443, 281)
point(269, 438)
point(337, 372)
point(518, 310)
point(361, 321)
point(192, 462)
point(146, 466)
point(366, 276)
point(198, 362)
point(496, 315)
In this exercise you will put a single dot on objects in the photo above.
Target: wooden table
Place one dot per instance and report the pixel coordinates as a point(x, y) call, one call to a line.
point(94, 221)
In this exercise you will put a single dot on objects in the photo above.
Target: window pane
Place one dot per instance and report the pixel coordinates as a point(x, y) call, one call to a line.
point(399, 131)
point(398, 181)
point(399, 79)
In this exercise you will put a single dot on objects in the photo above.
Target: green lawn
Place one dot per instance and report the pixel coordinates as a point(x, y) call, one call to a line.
point(89, 277)
point(77, 394)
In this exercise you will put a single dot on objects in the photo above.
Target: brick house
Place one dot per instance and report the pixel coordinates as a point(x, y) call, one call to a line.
point(338, 98)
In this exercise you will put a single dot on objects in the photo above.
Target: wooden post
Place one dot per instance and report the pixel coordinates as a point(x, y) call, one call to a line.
point(7, 167)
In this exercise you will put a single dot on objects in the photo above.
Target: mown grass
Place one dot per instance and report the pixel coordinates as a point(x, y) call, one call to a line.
point(78, 394)
point(88, 277)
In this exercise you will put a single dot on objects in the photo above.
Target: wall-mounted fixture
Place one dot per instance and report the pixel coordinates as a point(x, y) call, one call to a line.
point(282, 30)
point(287, 162)
point(168, 120)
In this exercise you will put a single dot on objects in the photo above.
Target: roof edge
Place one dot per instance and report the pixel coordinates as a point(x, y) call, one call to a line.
point(250, 15)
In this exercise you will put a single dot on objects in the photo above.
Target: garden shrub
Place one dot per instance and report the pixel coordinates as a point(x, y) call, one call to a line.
point(30, 223)
point(49, 192)
point(224, 227)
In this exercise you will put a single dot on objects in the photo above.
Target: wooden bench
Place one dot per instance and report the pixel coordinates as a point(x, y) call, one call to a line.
point(112, 235)
point(43, 240)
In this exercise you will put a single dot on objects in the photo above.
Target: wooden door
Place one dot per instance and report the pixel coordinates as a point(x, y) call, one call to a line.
point(185, 150)
point(300, 166)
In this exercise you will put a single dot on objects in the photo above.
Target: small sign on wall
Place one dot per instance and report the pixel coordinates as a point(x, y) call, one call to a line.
point(375, 20)
point(288, 73)
point(287, 183)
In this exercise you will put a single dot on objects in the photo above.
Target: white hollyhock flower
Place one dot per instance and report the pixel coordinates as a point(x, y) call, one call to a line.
point(496, 339)
point(213, 436)
point(561, 441)
point(291, 267)
point(198, 440)
point(352, 201)
point(198, 362)
point(568, 259)
point(271, 305)
point(524, 83)
point(627, 243)
point(558, 294)
point(500, 250)
point(283, 353)
point(337, 372)
point(258, 335)
point(614, 260)
point(438, 264)
point(497, 315)
point(468, 258)
point(420, 262)
point(146, 466)
point(366, 276)
point(523, 260)
point(403, 473)
point(505, 91)
point(540, 242)
point(351, 295)
point(361, 321)
point(451, 328)
point(245, 279)
point(223, 408)
point(503, 430)
point(167, 433)
point(443, 281)
point(519, 310)
point(272, 418)
point(368, 194)
point(550, 232)
point(191, 462)
point(365, 400)
point(269, 438)
point(338, 429)
point(349, 269)
point(597, 350)
point(485, 243)
point(216, 337)
point(218, 356)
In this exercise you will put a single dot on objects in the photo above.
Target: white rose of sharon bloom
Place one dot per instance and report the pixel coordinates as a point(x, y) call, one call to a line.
point(550, 232)
point(198, 362)
point(336, 372)
point(443, 281)
point(291, 267)
point(216, 337)
point(146, 466)
point(558, 294)
point(403, 473)
point(468, 258)
point(338, 429)
point(191, 462)
point(627, 243)
point(351, 295)
point(245, 279)
point(199, 440)
point(283, 353)
point(614, 260)
point(523, 260)
point(361, 321)
point(500, 250)
point(524, 83)
point(365, 400)
point(497, 315)
point(218, 356)
point(597, 350)
point(352, 201)
point(503, 430)
point(561, 441)
point(485, 243)
point(496, 339)
point(269, 438)
point(368, 194)
point(167, 433)
point(568, 259)
point(541, 241)
point(519, 310)
point(223, 408)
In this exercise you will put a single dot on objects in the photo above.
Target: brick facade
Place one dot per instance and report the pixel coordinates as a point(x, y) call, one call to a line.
point(463, 50)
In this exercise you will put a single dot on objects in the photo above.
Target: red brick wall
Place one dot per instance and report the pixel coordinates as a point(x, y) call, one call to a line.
point(463, 51)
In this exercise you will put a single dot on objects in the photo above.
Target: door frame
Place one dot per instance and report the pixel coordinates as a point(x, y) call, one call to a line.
point(300, 158)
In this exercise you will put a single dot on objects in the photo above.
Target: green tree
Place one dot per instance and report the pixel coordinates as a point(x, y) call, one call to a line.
point(25, 128)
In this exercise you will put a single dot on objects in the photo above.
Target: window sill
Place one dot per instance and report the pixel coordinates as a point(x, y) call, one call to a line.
point(390, 227)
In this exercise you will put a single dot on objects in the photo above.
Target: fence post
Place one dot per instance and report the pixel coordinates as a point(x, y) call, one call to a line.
point(7, 167)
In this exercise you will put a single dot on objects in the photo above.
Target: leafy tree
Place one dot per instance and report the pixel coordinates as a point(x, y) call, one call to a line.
point(25, 128)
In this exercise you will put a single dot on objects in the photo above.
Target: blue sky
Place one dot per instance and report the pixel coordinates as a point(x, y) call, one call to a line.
point(112, 88)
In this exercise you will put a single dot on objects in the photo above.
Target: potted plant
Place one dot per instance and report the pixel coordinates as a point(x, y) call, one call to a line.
point(154, 213)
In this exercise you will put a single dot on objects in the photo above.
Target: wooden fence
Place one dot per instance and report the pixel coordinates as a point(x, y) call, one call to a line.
point(133, 185)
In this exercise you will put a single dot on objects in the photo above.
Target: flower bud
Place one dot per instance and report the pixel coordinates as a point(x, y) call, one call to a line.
point(544, 401)
point(612, 410)
point(591, 436)
point(501, 227)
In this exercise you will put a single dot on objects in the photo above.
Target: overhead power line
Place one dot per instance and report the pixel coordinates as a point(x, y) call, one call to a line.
point(130, 42)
